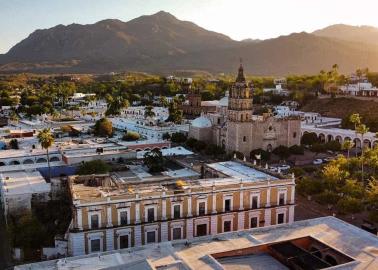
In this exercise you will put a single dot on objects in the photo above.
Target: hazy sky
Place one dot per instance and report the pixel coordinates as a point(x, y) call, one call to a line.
point(238, 19)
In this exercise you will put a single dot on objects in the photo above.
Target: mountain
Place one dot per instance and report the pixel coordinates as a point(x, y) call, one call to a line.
point(364, 34)
point(161, 43)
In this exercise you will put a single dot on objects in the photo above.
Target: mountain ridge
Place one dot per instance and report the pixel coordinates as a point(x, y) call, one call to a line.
point(161, 43)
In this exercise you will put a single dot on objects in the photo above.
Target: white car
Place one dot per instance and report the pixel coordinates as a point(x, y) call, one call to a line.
point(317, 161)
point(284, 167)
point(273, 169)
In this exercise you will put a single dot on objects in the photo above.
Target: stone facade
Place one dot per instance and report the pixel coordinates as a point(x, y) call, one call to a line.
point(125, 218)
point(235, 128)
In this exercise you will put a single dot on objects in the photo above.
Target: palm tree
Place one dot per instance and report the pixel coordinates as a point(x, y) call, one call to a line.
point(46, 139)
point(356, 120)
point(148, 112)
point(362, 129)
point(348, 145)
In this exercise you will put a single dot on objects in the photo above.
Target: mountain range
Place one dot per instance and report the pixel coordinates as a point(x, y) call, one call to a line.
point(161, 43)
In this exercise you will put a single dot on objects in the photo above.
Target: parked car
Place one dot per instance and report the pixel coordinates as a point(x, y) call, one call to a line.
point(273, 169)
point(317, 161)
point(284, 167)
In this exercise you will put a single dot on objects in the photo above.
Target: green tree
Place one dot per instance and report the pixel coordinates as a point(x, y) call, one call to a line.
point(154, 160)
point(148, 112)
point(349, 205)
point(282, 151)
point(46, 139)
point(93, 167)
point(362, 130)
point(131, 136)
point(103, 128)
point(309, 138)
point(14, 144)
point(348, 145)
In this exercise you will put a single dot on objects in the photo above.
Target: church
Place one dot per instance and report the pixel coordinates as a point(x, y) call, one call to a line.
point(234, 127)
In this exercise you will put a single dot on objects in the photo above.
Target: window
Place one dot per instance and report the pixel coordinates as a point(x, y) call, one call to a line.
point(176, 233)
point(95, 245)
point(202, 208)
point(227, 205)
point(123, 218)
point(281, 200)
point(244, 139)
point(151, 237)
point(280, 218)
point(254, 222)
point(124, 241)
point(294, 135)
point(201, 229)
point(177, 211)
point(151, 215)
point(227, 226)
point(255, 202)
point(94, 221)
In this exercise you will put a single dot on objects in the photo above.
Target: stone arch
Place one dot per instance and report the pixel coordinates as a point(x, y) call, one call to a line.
point(2, 164)
point(331, 260)
point(357, 143)
point(28, 161)
point(156, 148)
point(339, 139)
point(269, 148)
point(41, 160)
point(147, 149)
point(367, 143)
point(329, 137)
point(164, 147)
point(322, 138)
point(14, 162)
point(54, 159)
point(138, 150)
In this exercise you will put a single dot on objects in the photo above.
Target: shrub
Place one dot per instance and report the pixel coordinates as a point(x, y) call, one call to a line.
point(282, 151)
point(166, 136)
point(349, 205)
point(199, 146)
point(178, 137)
point(103, 128)
point(131, 136)
point(327, 197)
point(298, 172)
point(93, 167)
point(191, 142)
point(309, 186)
point(14, 144)
point(297, 150)
point(239, 155)
point(309, 138)
point(214, 150)
point(333, 146)
point(318, 148)
point(265, 155)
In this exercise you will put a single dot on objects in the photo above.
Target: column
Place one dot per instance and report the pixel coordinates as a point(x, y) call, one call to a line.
point(137, 211)
point(292, 195)
point(214, 210)
point(291, 213)
point(189, 221)
point(268, 217)
point(109, 216)
point(214, 224)
point(241, 201)
point(164, 231)
point(138, 235)
point(164, 207)
point(79, 216)
point(267, 204)
point(109, 240)
point(189, 205)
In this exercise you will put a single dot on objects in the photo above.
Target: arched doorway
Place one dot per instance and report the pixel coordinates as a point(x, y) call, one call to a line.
point(329, 138)
point(357, 143)
point(322, 138)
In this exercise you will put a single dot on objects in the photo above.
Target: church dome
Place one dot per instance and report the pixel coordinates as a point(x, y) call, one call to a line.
point(223, 102)
point(201, 122)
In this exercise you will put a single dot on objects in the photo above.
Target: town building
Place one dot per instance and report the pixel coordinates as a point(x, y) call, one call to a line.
point(123, 210)
point(19, 188)
point(235, 128)
point(359, 86)
point(279, 89)
point(321, 243)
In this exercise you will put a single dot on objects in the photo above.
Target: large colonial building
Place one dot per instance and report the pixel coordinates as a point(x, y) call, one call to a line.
point(235, 128)
point(113, 213)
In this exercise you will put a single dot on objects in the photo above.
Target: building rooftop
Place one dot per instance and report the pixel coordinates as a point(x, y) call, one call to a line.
point(22, 182)
point(357, 249)
point(240, 171)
